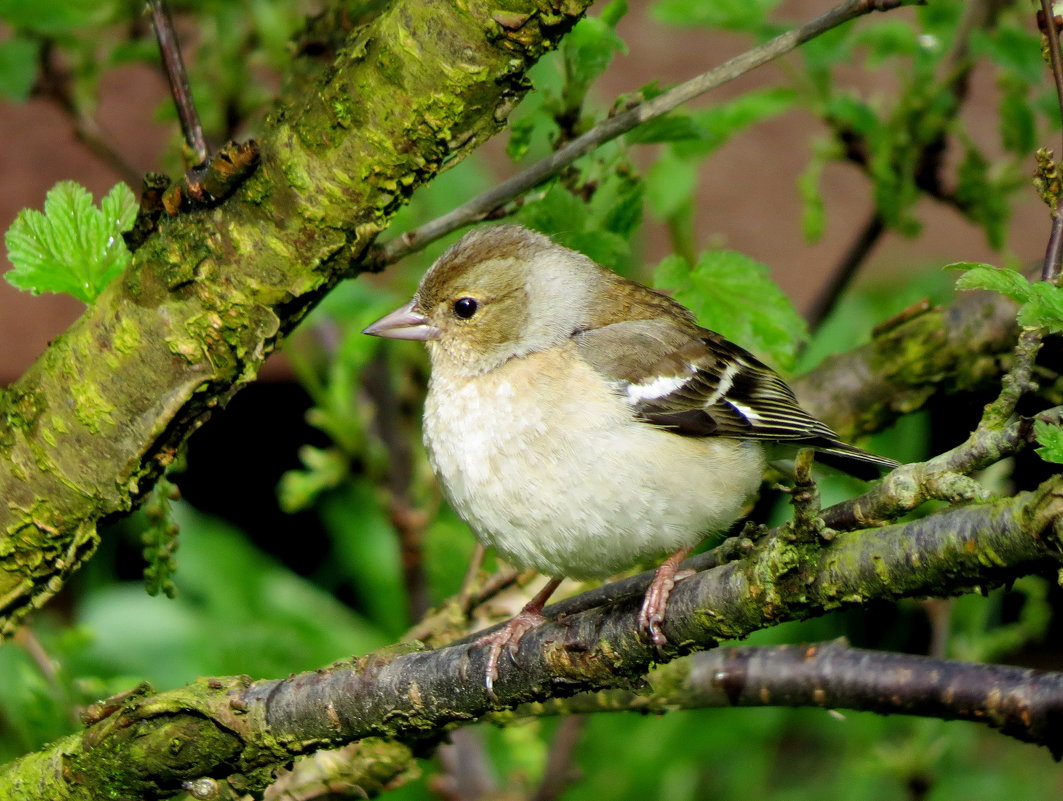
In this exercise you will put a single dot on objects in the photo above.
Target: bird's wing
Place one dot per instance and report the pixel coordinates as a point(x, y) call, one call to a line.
point(694, 382)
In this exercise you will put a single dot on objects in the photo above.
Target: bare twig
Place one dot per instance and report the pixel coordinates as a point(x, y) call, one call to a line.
point(466, 768)
point(559, 769)
point(174, 66)
point(54, 84)
point(862, 245)
point(1054, 250)
point(941, 477)
point(479, 207)
point(407, 519)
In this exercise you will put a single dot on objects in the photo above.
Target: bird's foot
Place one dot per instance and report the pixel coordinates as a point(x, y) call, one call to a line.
point(507, 639)
point(655, 602)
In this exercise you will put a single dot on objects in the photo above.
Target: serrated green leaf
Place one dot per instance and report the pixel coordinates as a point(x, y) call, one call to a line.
point(604, 247)
point(1044, 308)
point(732, 15)
point(18, 67)
point(721, 122)
point(1050, 438)
point(734, 295)
point(813, 208)
point(887, 39)
point(624, 213)
point(73, 246)
point(995, 279)
point(56, 17)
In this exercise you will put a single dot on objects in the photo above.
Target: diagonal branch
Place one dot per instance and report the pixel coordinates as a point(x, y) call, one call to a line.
point(89, 427)
point(481, 206)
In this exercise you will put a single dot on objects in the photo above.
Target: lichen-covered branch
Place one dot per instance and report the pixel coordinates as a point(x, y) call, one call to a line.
point(145, 746)
point(86, 430)
point(923, 352)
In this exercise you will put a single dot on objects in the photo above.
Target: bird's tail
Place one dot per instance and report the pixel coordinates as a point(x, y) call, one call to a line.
point(854, 461)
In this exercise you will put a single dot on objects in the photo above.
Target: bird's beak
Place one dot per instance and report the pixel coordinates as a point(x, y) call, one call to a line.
point(403, 323)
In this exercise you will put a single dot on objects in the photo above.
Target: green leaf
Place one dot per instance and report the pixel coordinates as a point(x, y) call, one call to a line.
point(1050, 438)
point(721, 122)
point(887, 39)
point(18, 67)
point(624, 213)
point(1015, 51)
point(613, 12)
point(1044, 308)
point(995, 279)
point(73, 246)
point(813, 209)
point(56, 17)
point(734, 295)
point(732, 15)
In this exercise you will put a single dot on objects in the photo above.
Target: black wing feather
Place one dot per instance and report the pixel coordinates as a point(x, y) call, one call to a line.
point(695, 383)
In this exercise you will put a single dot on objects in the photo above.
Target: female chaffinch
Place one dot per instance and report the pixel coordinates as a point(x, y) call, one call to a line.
point(582, 423)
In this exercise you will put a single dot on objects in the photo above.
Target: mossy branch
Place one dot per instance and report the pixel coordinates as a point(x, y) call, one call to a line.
point(146, 746)
point(88, 428)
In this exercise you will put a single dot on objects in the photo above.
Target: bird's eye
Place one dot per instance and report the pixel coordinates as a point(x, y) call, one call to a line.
point(465, 307)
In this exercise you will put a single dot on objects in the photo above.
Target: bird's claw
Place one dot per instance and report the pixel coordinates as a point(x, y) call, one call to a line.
point(655, 602)
point(507, 637)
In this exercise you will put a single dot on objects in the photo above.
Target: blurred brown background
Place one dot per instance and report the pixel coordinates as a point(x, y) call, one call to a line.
point(747, 197)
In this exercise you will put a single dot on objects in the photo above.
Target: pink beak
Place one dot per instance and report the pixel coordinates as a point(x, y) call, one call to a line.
point(403, 323)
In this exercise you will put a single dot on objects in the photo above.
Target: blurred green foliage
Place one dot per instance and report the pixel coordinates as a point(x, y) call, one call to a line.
point(365, 484)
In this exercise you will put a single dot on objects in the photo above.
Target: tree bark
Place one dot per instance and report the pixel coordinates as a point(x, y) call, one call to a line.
point(145, 746)
point(85, 432)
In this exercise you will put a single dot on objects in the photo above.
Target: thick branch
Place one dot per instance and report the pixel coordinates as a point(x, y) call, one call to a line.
point(922, 352)
point(145, 746)
point(1022, 703)
point(86, 430)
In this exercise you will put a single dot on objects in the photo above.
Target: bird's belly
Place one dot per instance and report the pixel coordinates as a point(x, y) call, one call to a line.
point(578, 488)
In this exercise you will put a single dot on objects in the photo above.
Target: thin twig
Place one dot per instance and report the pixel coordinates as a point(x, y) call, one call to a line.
point(942, 476)
point(54, 84)
point(174, 66)
point(1054, 251)
point(479, 207)
point(467, 774)
point(858, 251)
point(559, 771)
point(408, 520)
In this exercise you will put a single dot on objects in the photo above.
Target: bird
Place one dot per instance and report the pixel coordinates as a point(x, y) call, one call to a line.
point(582, 423)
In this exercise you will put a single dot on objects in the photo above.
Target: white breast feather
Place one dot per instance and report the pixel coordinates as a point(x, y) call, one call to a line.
point(605, 494)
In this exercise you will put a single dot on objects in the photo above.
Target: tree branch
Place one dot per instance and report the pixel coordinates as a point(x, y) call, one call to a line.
point(146, 745)
point(481, 206)
point(88, 428)
point(1022, 703)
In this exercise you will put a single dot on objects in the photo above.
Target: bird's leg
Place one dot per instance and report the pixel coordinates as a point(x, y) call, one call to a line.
point(509, 636)
point(655, 602)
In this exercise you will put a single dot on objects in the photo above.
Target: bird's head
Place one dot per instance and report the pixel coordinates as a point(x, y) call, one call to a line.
point(500, 292)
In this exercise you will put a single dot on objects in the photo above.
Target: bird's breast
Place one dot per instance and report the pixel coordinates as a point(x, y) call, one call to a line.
point(548, 465)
